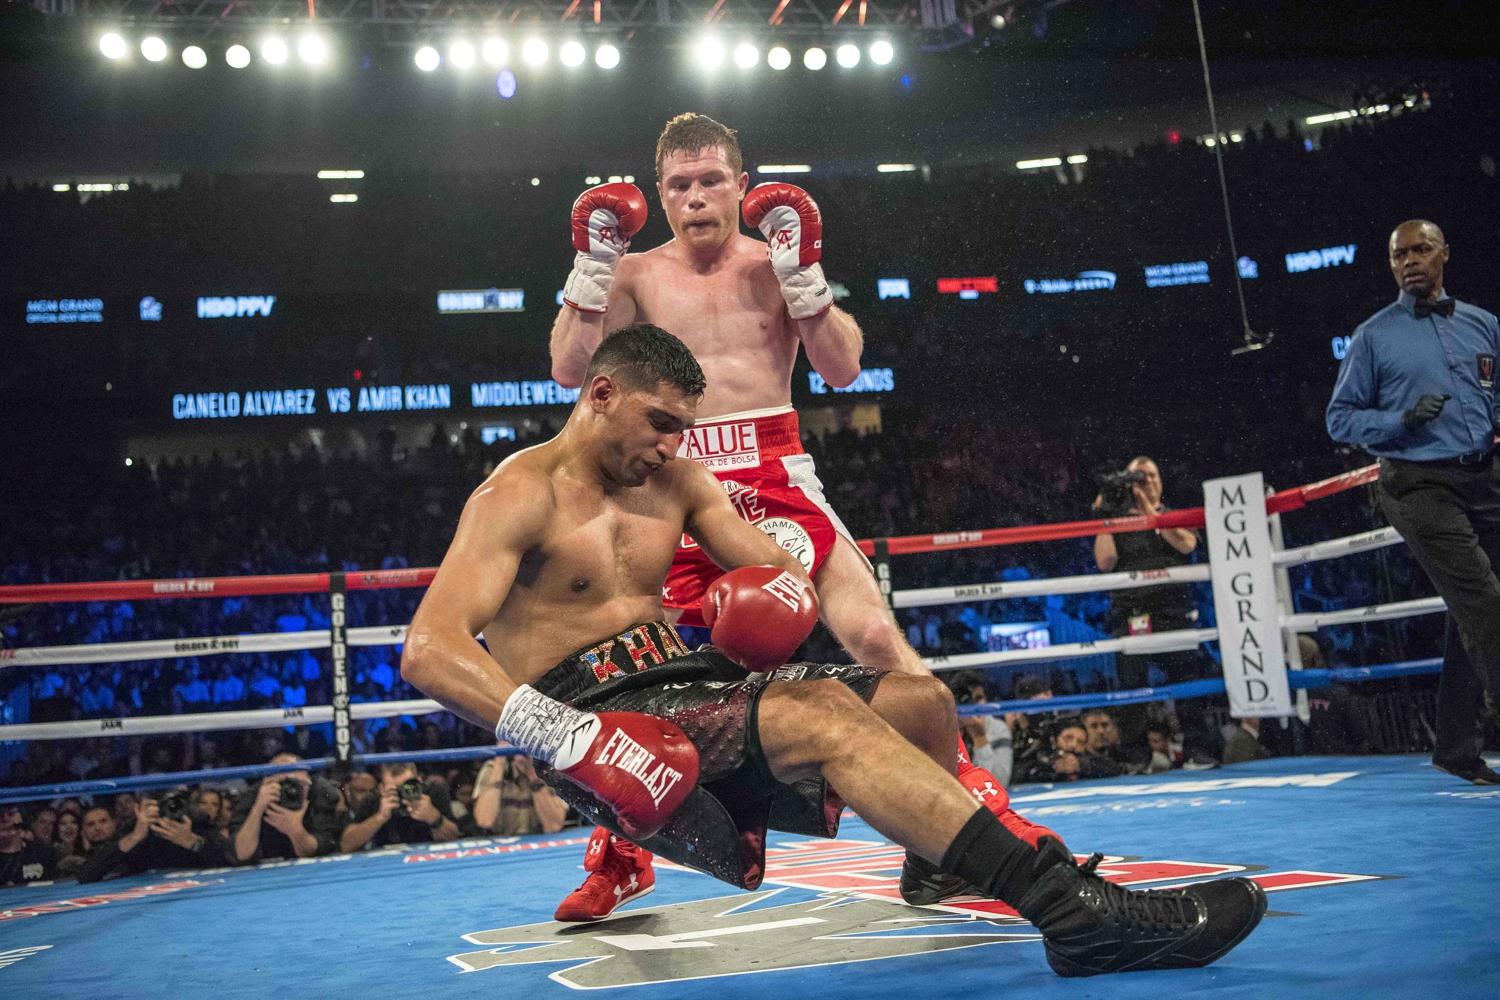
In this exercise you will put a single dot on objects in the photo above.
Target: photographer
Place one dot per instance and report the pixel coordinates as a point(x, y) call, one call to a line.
point(1062, 760)
point(1166, 607)
point(403, 810)
point(287, 815)
point(509, 799)
point(168, 833)
point(987, 737)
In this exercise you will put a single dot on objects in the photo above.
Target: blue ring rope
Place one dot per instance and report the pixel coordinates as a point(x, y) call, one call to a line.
point(1300, 679)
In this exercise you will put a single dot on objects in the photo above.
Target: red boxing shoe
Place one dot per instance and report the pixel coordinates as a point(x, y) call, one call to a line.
point(991, 794)
point(619, 871)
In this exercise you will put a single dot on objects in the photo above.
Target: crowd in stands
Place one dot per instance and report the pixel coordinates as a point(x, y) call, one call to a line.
point(316, 512)
point(293, 813)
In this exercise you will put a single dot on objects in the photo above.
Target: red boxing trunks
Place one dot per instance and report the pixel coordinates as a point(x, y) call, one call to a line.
point(720, 829)
point(771, 481)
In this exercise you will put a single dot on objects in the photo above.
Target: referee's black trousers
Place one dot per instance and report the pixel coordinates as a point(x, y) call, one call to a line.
point(1450, 517)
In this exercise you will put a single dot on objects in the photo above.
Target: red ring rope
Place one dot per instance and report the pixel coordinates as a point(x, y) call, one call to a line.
point(384, 579)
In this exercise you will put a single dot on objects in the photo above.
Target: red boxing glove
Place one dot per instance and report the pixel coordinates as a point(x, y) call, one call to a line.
point(641, 766)
point(604, 220)
point(606, 217)
point(790, 221)
point(759, 615)
point(638, 765)
point(793, 227)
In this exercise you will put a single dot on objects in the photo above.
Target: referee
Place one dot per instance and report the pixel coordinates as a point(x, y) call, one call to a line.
point(1417, 388)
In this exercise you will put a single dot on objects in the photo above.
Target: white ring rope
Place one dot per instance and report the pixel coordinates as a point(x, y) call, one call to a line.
point(1156, 642)
point(1054, 585)
point(158, 649)
point(204, 722)
point(1333, 548)
point(1311, 621)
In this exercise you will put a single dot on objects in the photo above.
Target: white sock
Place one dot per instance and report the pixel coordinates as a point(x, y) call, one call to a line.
point(545, 729)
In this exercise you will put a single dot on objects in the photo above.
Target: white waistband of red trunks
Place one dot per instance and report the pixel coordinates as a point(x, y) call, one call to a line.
point(743, 440)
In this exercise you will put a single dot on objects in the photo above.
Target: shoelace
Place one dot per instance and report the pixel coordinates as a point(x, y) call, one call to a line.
point(1167, 910)
point(616, 869)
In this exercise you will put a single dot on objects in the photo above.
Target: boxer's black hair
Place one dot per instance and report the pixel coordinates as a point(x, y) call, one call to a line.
point(642, 356)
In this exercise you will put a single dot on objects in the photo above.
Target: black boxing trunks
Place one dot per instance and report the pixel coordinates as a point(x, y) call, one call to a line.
point(720, 829)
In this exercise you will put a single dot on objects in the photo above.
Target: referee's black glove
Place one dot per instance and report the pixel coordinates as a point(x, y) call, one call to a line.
point(1426, 409)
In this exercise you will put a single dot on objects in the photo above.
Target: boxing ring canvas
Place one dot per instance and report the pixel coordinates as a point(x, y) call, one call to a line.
point(1382, 876)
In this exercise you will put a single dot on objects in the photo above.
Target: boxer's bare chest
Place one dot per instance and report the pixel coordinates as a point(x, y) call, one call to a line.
point(733, 321)
point(601, 545)
point(596, 570)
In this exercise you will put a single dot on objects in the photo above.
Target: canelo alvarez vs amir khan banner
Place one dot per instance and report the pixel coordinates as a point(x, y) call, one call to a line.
point(1239, 545)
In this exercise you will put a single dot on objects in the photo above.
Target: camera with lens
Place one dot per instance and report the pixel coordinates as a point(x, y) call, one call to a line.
point(409, 791)
point(1117, 491)
point(172, 804)
point(293, 794)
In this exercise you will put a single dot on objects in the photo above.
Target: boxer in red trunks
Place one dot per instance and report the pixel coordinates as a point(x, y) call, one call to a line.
point(744, 320)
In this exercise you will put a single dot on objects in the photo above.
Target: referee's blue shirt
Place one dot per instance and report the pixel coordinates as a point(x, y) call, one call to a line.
point(1394, 358)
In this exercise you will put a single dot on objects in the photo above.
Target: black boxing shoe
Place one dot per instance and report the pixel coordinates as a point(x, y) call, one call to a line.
point(924, 884)
point(1091, 926)
point(1475, 770)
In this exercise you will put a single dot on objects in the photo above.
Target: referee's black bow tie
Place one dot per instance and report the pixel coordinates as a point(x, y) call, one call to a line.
point(1443, 307)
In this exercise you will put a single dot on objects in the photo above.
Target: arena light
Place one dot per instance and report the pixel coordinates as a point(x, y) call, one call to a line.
point(1078, 158)
point(505, 84)
point(534, 52)
point(783, 168)
point(461, 54)
point(237, 56)
point(778, 58)
point(1046, 161)
point(882, 52)
point(343, 199)
point(194, 57)
point(113, 46)
point(427, 59)
point(536, 182)
point(312, 49)
point(494, 52)
point(572, 54)
point(746, 56)
point(153, 48)
point(273, 50)
point(815, 59)
point(708, 53)
point(62, 187)
point(593, 179)
point(895, 168)
point(341, 175)
point(606, 56)
point(847, 55)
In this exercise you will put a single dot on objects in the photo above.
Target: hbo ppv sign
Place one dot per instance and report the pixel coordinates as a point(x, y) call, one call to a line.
point(234, 306)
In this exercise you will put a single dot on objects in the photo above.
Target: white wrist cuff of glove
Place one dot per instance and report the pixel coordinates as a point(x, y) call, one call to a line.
point(545, 729)
point(588, 284)
point(806, 292)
